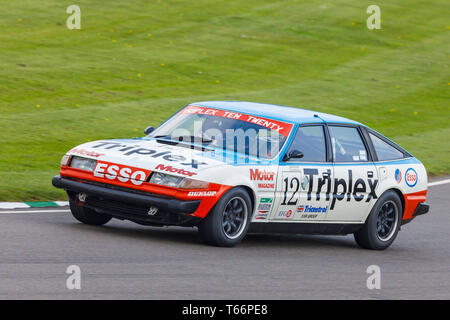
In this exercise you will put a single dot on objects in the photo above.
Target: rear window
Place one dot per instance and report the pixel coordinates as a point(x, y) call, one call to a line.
point(384, 150)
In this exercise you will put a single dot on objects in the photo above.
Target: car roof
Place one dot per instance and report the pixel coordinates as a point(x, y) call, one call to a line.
point(276, 112)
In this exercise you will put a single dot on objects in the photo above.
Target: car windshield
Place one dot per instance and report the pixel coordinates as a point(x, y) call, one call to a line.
point(220, 129)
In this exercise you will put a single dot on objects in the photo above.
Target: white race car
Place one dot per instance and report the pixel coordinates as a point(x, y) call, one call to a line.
point(230, 168)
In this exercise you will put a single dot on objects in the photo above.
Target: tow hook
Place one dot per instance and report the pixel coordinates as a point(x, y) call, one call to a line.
point(82, 198)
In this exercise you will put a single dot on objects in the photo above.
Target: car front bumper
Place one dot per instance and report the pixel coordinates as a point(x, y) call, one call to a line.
point(134, 206)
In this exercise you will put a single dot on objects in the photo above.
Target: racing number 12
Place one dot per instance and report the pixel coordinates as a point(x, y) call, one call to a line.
point(288, 185)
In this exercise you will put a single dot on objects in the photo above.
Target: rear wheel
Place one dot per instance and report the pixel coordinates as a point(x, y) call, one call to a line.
point(383, 224)
point(86, 215)
point(228, 222)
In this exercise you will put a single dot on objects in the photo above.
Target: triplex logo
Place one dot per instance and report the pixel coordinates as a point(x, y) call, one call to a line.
point(343, 188)
point(130, 150)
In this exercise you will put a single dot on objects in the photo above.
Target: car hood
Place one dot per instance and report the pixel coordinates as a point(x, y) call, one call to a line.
point(157, 155)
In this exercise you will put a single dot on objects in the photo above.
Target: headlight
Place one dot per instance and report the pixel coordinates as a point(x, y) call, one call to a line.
point(165, 179)
point(177, 182)
point(83, 163)
point(65, 160)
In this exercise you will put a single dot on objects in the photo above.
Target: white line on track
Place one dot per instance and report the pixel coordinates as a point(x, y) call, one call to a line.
point(431, 184)
point(437, 183)
point(35, 211)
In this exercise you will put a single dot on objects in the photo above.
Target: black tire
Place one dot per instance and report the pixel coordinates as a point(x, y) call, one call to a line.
point(86, 215)
point(376, 234)
point(216, 229)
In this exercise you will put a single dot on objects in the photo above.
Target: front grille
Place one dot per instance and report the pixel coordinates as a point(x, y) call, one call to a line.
point(116, 206)
point(136, 213)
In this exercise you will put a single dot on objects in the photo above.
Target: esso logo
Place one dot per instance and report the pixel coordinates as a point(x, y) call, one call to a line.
point(121, 173)
point(411, 177)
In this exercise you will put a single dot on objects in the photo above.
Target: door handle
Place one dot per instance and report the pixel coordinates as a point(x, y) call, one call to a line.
point(370, 174)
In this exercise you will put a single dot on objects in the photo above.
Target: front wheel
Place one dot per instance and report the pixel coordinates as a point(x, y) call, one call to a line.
point(228, 222)
point(383, 224)
point(86, 215)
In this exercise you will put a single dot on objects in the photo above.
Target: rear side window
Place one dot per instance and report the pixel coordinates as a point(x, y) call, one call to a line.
point(384, 150)
point(310, 140)
point(347, 144)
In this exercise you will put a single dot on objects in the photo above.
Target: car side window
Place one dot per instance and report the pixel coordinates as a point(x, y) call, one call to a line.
point(310, 140)
point(347, 144)
point(384, 150)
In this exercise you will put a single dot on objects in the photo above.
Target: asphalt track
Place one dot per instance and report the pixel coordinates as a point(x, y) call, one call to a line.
point(123, 260)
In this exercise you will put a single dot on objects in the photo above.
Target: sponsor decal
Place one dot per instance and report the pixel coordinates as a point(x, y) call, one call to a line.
point(411, 177)
point(86, 152)
point(286, 214)
point(265, 204)
point(201, 193)
point(310, 212)
point(174, 170)
point(344, 189)
point(281, 127)
point(266, 185)
point(309, 216)
point(258, 175)
point(132, 150)
point(121, 173)
point(261, 215)
point(309, 208)
point(398, 175)
point(261, 175)
point(362, 155)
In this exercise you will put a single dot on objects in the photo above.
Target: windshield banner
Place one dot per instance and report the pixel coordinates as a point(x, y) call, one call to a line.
point(281, 127)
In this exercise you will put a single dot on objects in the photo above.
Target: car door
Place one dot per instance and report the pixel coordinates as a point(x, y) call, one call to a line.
point(305, 179)
point(355, 175)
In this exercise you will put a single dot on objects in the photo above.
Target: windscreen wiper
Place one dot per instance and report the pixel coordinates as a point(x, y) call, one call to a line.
point(166, 139)
point(185, 138)
point(194, 139)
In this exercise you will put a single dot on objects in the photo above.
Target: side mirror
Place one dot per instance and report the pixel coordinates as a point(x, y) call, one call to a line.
point(148, 130)
point(294, 154)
